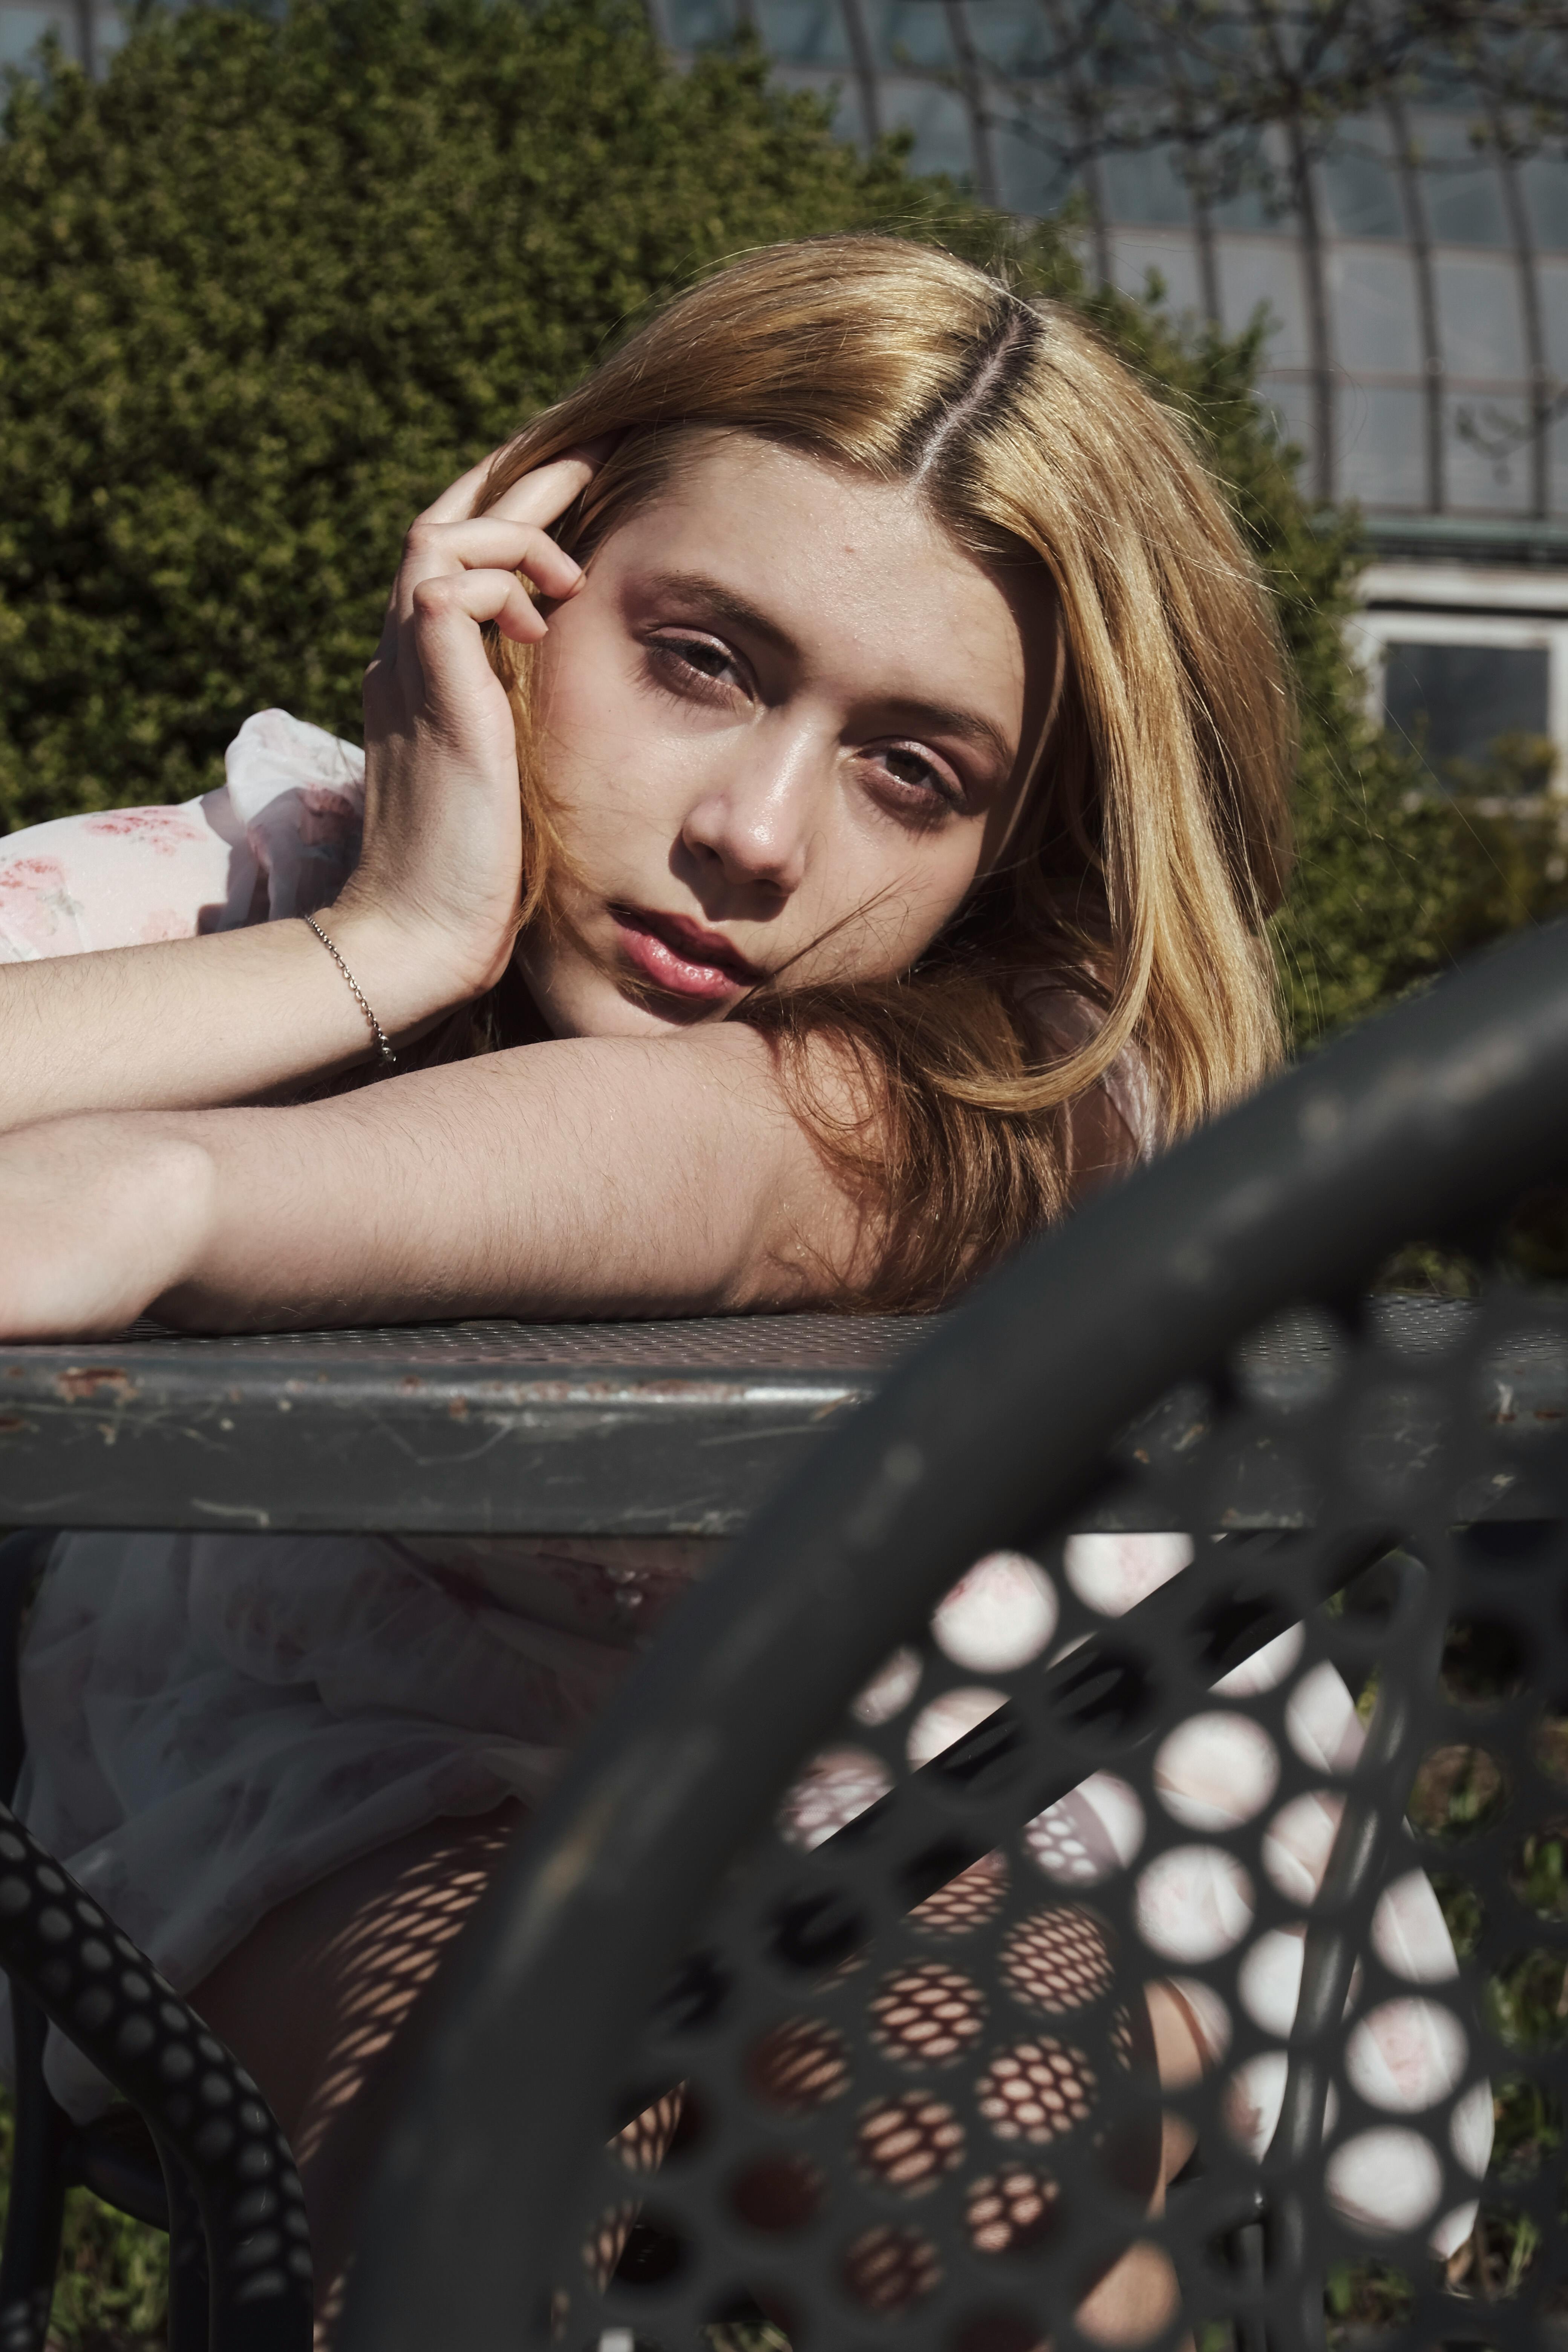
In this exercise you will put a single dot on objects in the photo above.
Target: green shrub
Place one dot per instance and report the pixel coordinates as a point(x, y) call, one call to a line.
point(265, 288)
point(111, 2292)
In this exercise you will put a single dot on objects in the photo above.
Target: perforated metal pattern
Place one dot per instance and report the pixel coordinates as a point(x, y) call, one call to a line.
point(921, 2097)
point(211, 2122)
point(715, 1343)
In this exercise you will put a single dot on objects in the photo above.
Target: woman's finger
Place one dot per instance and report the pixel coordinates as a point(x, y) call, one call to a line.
point(438, 630)
point(536, 496)
point(489, 543)
point(457, 500)
point(484, 545)
point(547, 491)
point(457, 598)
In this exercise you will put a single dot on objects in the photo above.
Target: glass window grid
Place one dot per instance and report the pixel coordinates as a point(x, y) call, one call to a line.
point(1461, 182)
point(804, 32)
point(1374, 308)
point(937, 118)
point(1461, 192)
point(1359, 183)
point(1138, 254)
point(1489, 451)
point(1265, 273)
point(1371, 631)
point(909, 33)
point(1480, 316)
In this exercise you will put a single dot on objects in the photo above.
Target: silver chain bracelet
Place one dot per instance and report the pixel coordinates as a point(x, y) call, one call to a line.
point(361, 999)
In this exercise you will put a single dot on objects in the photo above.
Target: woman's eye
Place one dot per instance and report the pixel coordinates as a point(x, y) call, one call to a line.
point(910, 768)
point(921, 786)
point(691, 657)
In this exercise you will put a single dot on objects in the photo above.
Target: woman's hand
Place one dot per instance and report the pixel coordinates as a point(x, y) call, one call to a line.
point(97, 1217)
point(431, 911)
point(427, 922)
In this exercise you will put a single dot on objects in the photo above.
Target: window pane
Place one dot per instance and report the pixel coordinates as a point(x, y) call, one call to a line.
point(1552, 284)
point(110, 31)
point(23, 27)
point(700, 23)
point(1013, 36)
point(1462, 183)
point(1376, 322)
point(1145, 186)
point(1381, 433)
point(1545, 181)
point(1289, 402)
point(838, 90)
point(1452, 702)
point(1487, 454)
point(1175, 261)
point(806, 32)
point(1259, 197)
point(1360, 186)
point(1265, 270)
point(908, 33)
point(1480, 316)
point(1119, 45)
point(939, 121)
point(1030, 176)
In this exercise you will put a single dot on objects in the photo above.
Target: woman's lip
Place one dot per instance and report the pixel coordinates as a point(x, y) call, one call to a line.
point(679, 957)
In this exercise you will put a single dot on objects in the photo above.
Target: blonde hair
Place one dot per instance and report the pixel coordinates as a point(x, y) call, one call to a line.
point(1153, 843)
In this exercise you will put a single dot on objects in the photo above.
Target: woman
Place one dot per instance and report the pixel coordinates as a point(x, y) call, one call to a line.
point(825, 782)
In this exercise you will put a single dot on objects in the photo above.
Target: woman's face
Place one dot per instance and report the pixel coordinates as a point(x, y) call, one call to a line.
point(785, 723)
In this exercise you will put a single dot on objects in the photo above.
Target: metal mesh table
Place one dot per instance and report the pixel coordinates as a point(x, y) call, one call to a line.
point(668, 1428)
point(634, 1429)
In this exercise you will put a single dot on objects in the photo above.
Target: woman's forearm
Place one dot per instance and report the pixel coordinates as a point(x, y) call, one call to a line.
point(586, 1177)
point(590, 1176)
point(191, 1023)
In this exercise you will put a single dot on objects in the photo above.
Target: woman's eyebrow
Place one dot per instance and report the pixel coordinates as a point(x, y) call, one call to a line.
point(724, 605)
point(944, 718)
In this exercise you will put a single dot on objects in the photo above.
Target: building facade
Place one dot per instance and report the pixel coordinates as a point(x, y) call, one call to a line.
point(1413, 265)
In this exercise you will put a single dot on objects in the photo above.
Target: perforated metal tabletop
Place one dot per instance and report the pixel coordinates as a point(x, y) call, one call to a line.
point(651, 1428)
point(600, 1428)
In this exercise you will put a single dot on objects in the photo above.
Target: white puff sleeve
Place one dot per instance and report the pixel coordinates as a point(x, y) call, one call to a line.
point(280, 837)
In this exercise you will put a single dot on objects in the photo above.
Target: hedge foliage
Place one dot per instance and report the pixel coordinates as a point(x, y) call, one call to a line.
point(275, 278)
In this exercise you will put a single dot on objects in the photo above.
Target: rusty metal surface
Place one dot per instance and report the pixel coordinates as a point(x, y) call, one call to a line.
point(608, 1428)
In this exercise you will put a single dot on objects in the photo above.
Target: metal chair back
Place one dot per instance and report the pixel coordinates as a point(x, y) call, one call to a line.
point(914, 2063)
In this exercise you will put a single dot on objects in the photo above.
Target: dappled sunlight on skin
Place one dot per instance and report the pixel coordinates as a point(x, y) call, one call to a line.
point(356, 1956)
point(929, 2012)
point(317, 1998)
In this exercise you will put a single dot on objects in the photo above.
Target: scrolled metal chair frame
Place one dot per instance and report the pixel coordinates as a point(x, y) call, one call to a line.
point(240, 2269)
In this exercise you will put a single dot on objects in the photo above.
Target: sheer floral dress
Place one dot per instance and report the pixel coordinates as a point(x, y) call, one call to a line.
point(216, 1721)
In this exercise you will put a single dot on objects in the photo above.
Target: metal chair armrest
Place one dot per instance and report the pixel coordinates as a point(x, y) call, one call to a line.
point(240, 2259)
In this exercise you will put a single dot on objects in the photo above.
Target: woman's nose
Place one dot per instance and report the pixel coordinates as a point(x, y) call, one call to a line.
point(754, 824)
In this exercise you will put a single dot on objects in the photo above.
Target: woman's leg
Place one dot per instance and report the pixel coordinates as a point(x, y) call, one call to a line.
point(314, 2002)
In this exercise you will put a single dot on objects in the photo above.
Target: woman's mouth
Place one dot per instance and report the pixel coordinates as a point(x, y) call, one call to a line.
point(681, 958)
